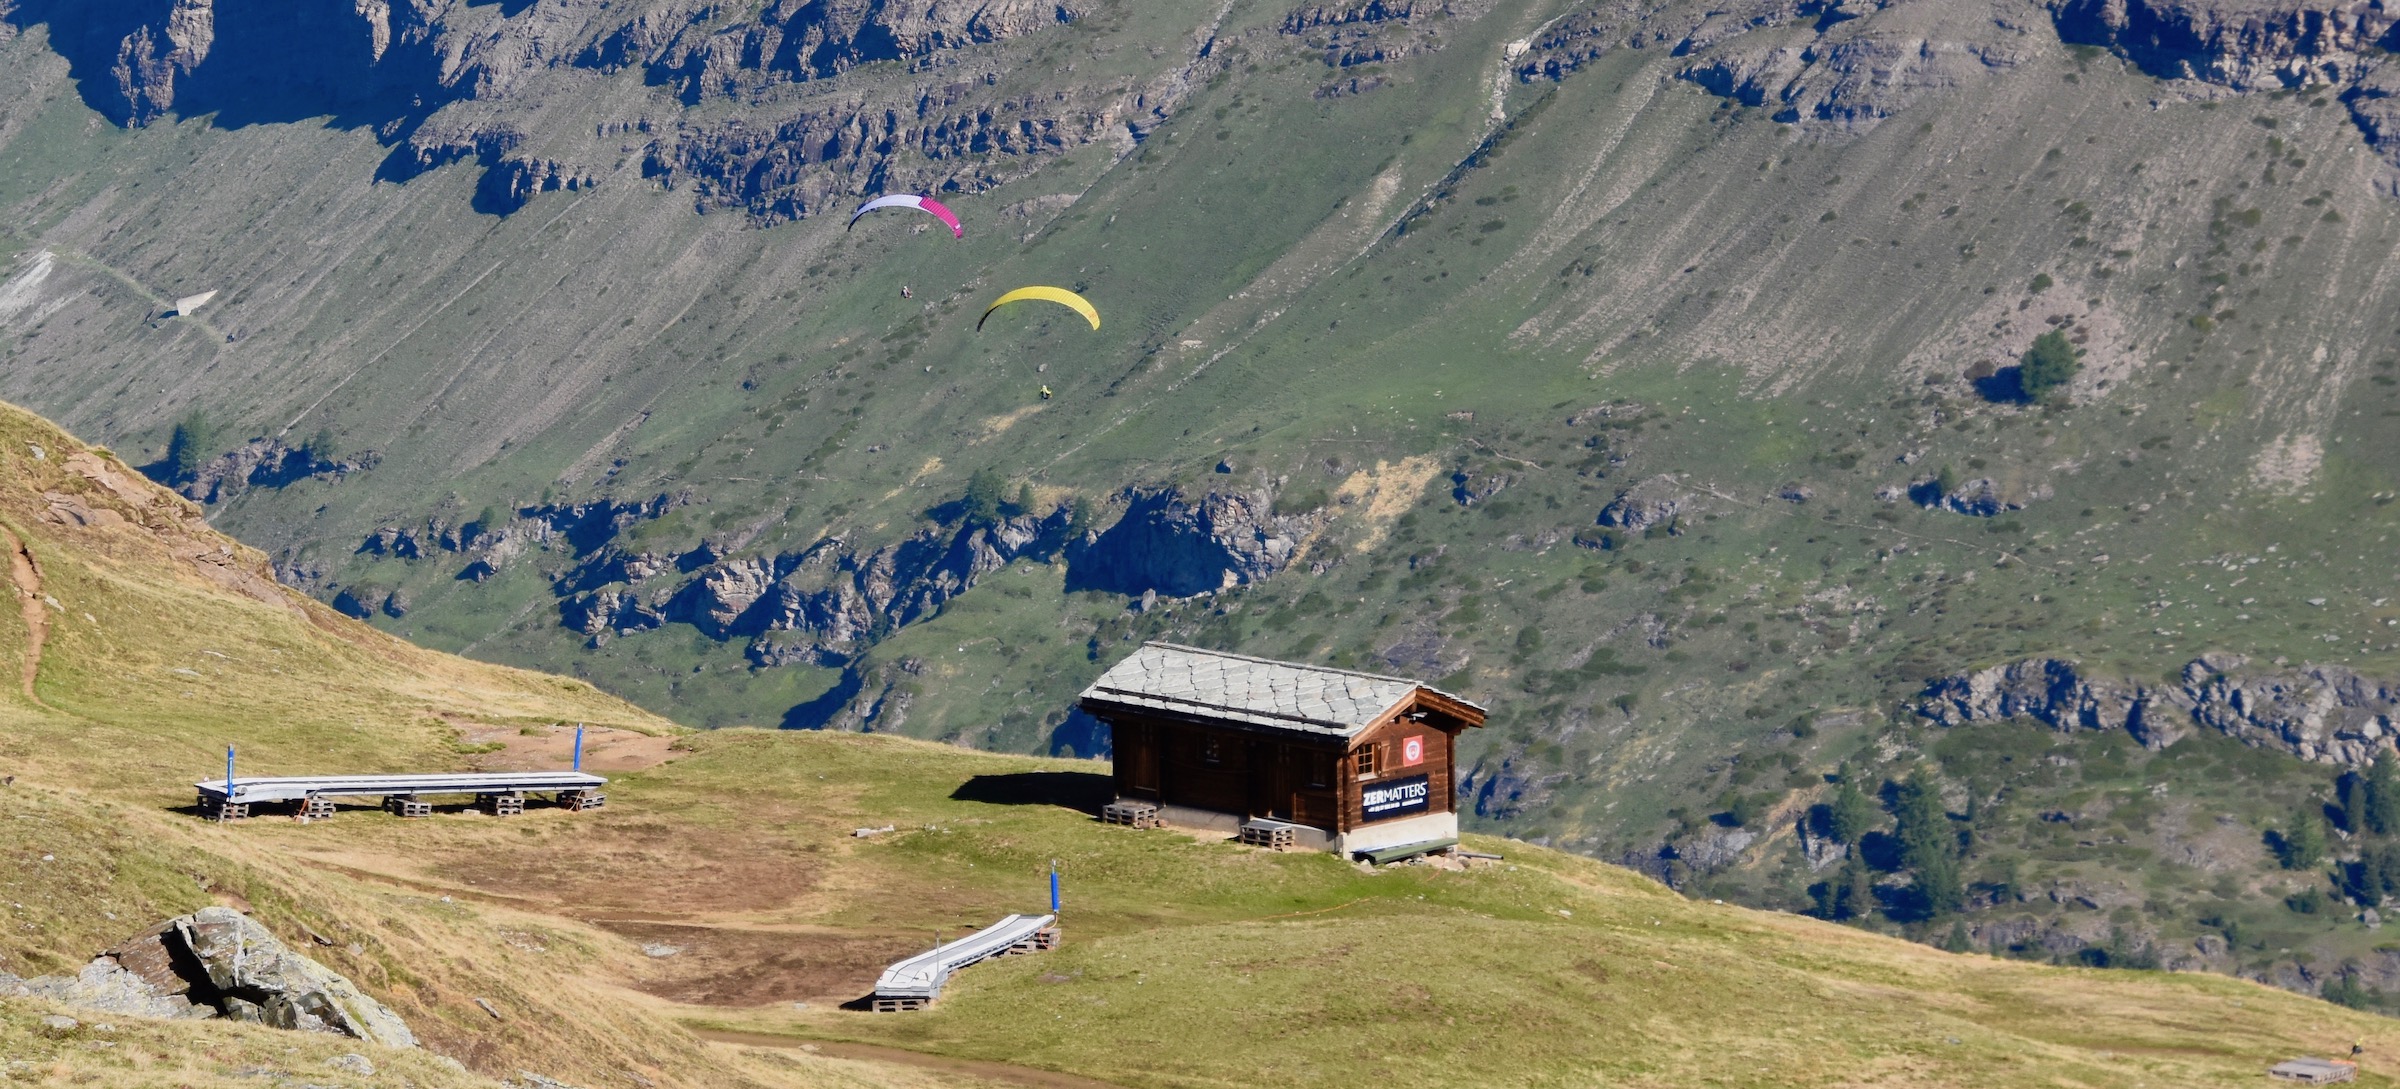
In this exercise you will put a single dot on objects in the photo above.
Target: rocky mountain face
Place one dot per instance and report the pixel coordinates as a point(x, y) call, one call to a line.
point(830, 600)
point(443, 81)
point(2328, 714)
point(1847, 67)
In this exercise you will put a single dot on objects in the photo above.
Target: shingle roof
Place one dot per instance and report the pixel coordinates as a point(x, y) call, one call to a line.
point(1282, 695)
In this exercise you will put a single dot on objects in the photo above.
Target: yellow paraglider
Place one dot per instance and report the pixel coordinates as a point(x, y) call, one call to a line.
point(1059, 295)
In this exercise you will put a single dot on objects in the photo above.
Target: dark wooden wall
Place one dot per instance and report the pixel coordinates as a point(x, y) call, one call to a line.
point(1385, 739)
point(1226, 770)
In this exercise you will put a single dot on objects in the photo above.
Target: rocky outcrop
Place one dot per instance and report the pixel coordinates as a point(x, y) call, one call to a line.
point(2343, 45)
point(141, 61)
point(361, 602)
point(793, 166)
point(2329, 714)
point(1347, 35)
point(1469, 487)
point(1838, 67)
point(819, 605)
point(2053, 690)
point(1848, 80)
point(2324, 714)
point(1504, 787)
point(499, 537)
point(392, 541)
point(217, 962)
point(1179, 546)
point(1661, 501)
point(264, 463)
point(441, 82)
point(1715, 848)
point(2244, 46)
point(1314, 16)
point(800, 40)
point(620, 611)
point(1611, 415)
point(1981, 497)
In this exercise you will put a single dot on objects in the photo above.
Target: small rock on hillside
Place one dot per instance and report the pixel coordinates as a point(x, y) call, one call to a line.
point(1659, 501)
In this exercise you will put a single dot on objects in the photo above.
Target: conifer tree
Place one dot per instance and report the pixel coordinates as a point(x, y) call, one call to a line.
point(188, 449)
point(1923, 826)
point(1940, 888)
point(2049, 365)
point(1854, 889)
point(982, 504)
point(1852, 812)
point(2383, 795)
point(1929, 846)
point(2302, 843)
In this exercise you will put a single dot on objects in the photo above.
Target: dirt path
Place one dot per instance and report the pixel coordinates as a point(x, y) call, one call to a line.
point(995, 1071)
point(27, 578)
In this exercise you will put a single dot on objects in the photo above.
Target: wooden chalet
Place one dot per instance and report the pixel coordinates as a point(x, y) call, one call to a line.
point(1327, 758)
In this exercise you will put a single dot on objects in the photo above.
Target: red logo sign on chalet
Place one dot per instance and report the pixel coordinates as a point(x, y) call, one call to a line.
point(1412, 751)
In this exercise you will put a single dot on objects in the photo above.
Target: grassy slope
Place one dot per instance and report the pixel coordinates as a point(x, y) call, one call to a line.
point(1781, 298)
point(1204, 964)
point(1546, 969)
point(149, 668)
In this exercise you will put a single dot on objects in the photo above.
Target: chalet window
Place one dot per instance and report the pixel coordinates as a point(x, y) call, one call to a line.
point(1210, 753)
point(1319, 771)
point(1366, 761)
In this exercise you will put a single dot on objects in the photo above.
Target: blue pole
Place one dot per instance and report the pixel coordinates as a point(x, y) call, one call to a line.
point(579, 746)
point(1054, 888)
point(222, 810)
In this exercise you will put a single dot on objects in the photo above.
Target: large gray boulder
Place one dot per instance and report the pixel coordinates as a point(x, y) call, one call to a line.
point(217, 962)
point(256, 977)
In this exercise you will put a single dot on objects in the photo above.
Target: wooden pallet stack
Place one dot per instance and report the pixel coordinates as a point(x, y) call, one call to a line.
point(1040, 941)
point(2313, 1071)
point(1273, 835)
point(1131, 814)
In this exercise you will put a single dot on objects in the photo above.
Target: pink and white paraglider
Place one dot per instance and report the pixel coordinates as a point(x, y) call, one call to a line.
point(927, 205)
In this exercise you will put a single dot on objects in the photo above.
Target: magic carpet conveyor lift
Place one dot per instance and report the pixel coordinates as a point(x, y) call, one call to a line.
point(501, 793)
point(914, 983)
